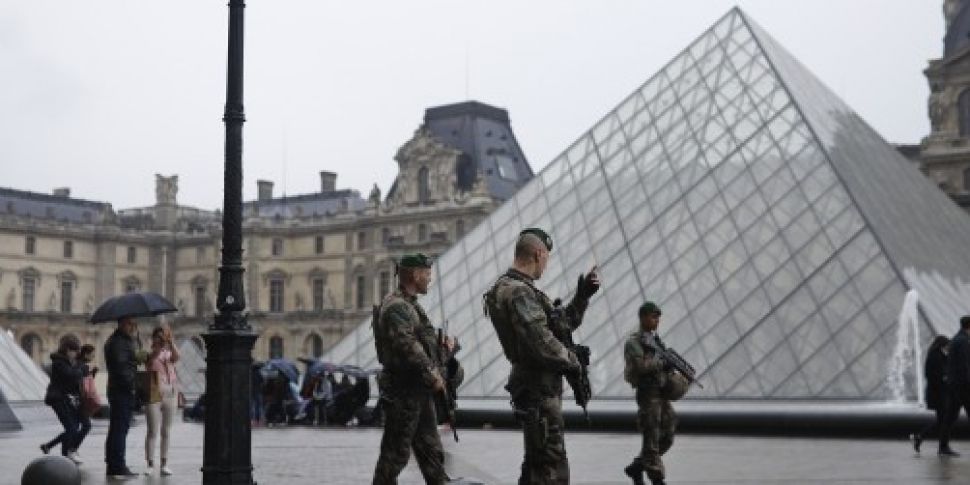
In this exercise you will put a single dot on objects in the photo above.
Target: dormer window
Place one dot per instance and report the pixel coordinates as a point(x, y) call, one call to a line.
point(506, 167)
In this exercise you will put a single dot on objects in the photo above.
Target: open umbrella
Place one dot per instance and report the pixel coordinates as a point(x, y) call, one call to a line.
point(285, 366)
point(137, 304)
point(315, 367)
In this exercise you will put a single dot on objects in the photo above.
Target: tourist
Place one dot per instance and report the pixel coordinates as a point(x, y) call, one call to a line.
point(163, 400)
point(937, 394)
point(64, 396)
point(958, 380)
point(121, 360)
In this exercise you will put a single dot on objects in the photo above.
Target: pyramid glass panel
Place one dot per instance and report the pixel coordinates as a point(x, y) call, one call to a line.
point(778, 232)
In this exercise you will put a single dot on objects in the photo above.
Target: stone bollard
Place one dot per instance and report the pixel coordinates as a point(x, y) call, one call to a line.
point(51, 470)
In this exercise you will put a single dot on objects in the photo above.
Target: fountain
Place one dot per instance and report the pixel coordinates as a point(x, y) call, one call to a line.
point(907, 352)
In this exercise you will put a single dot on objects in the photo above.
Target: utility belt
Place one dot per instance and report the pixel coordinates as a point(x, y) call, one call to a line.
point(528, 379)
point(649, 389)
point(398, 383)
point(525, 408)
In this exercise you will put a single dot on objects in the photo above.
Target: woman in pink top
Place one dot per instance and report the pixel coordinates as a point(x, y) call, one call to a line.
point(161, 361)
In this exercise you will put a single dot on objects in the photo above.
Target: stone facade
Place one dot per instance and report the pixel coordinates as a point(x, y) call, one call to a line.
point(315, 263)
point(945, 152)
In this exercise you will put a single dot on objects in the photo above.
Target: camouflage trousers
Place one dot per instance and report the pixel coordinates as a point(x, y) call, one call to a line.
point(545, 446)
point(410, 422)
point(657, 422)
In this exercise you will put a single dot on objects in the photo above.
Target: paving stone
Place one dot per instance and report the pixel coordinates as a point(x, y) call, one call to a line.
point(303, 455)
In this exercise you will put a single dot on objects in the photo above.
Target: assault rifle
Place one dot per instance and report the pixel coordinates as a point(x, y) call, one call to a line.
point(582, 391)
point(673, 360)
point(447, 402)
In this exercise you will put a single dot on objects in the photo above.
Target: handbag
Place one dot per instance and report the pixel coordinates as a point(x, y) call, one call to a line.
point(146, 387)
point(90, 400)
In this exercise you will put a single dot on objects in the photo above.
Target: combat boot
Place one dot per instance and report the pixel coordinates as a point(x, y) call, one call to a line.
point(635, 472)
point(655, 480)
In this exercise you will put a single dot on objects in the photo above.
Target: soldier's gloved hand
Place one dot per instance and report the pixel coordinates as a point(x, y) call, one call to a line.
point(574, 368)
point(588, 284)
point(439, 384)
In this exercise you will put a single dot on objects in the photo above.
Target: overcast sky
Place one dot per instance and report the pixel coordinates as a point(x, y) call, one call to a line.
point(101, 95)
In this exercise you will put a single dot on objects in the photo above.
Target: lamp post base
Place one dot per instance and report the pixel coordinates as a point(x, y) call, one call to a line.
point(227, 449)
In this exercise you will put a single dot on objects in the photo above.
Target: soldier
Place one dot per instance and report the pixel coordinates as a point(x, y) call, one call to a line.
point(522, 316)
point(656, 384)
point(408, 349)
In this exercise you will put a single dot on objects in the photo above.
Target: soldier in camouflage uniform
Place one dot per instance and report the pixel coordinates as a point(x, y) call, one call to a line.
point(409, 351)
point(647, 373)
point(522, 316)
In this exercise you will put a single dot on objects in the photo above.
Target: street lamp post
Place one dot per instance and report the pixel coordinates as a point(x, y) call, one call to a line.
point(229, 340)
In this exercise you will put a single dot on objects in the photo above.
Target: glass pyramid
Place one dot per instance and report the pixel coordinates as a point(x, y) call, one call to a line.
point(778, 232)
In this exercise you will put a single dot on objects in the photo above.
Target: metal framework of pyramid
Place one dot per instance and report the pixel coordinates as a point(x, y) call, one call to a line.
point(21, 380)
point(778, 232)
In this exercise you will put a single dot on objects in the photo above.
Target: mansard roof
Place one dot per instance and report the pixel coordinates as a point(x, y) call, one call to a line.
point(958, 33)
point(484, 135)
point(306, 205)
point(54, 207)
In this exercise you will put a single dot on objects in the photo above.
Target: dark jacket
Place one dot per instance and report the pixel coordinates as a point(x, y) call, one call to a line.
point(120, 359)
point(935, 372)
point(958, 363)
point(65, 379)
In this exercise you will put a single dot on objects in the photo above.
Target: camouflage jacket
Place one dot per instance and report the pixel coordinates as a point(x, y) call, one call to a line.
point(406, 343)
point(643, 368)
point(521, 315)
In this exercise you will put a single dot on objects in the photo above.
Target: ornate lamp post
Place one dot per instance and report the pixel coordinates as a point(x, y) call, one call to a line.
point(229, 341)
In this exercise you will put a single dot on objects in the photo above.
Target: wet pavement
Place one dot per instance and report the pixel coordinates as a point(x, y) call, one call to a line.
point(302, 455)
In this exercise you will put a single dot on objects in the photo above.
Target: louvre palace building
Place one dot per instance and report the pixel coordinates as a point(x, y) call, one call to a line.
point(315, 263)
point(795, 253)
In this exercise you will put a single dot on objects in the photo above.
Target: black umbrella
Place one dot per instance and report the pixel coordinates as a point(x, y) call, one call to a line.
point(137, 304)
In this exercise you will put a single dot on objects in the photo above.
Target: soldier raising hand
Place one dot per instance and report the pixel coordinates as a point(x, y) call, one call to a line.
point(524, 319)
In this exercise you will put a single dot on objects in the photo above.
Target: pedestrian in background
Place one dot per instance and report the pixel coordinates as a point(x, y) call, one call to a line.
point(160, 410)
point(64, 396)
point(84, 359)
point(958, 379)
point(937, 393)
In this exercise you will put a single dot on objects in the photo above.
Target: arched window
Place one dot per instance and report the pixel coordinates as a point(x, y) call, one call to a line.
point(276, 347)
point(313, 346)
point(963, 104)
point(424, 190)
point(32, 346)
point(422, 232)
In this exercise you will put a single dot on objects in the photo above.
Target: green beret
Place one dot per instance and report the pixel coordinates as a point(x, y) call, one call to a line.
point(416, 260)
point(539, 233)
point(649, 308)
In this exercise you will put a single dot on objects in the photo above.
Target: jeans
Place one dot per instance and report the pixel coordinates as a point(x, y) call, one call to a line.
point(120, 419)
point(68, 416)
point(85, 422)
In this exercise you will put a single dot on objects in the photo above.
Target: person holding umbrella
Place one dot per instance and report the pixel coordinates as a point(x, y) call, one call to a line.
point(121, 357)
point(121, 360)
